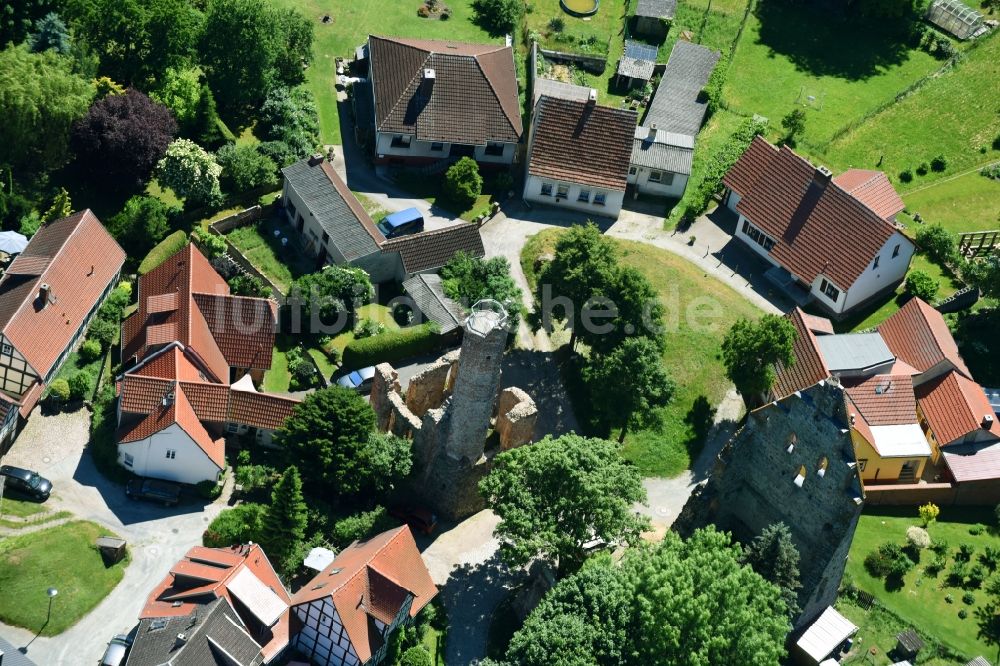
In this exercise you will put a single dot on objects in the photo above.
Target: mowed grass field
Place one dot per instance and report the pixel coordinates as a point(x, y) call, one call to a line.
point(697, 317)
point(955, 115)
point(352, 23)
point(921, 600)
point(966, 203)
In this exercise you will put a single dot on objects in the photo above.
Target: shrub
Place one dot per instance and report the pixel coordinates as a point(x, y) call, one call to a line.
point(977, 575)
point(918, 537)
point(991, 171)
point(102, 331)
point(391, 346)
point(557, 24)
point(940, 547)
point(949, 599)
point(402, 314)
point(301, 368)
point(213, 246)
point(245, 168)
point(367, 328)
point(939, 163)
point(921, 285)
point(905, 175)
point(936, 566)
point(80, 385)
point(462, 182)
point(249, 285)
point(968, 598)
point(976, 530)
point(922, 169)
point(423, 11)
point(254, 477)
point(242, 523)
point(956, 577)
point(360, 525)
point(889, 561)
point(962, 614)
point(964, 553)
point(209, 490)
point(498, 17)
point(416, 656)
point(929, 513)
point(59, 390)
point(990, 558)
point(90, 350)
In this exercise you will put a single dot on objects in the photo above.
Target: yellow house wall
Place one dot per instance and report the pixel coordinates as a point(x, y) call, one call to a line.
point(877, 468)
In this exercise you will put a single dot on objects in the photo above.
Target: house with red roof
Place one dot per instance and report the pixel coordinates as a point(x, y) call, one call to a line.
point(216, 606)
point(832, 241)
point(346, 614)
point(48, 296)
point(193, 353)
point(916, 413)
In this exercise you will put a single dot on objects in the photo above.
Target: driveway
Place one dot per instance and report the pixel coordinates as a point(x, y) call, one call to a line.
point(157, 537)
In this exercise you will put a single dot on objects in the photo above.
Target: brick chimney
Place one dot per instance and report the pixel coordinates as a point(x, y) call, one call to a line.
point(592, 98)
point(315, 158)
point(427, 82)
point(652, 133)
point(823, 175)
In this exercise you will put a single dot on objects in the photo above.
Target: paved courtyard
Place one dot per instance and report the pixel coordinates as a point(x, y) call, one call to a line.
point(157, 537)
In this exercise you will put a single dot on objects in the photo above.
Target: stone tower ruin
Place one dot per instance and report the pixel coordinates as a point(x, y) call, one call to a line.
point(477, 382)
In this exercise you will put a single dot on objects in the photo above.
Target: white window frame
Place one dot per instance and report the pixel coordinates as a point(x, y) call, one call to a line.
point(7, 350)
point(600, 198)
point(562, 191)
point(583, 196)
point(826, 287)
point(546, 190)
point(128, 459)
point(655, 176)
point(631, 170)
point(171, 454)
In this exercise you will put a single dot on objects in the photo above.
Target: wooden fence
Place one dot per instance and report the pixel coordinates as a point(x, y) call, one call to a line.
point(974, 244)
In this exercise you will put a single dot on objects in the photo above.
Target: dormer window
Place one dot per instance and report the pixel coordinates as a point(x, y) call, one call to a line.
point(821, 469)
point(800, 478)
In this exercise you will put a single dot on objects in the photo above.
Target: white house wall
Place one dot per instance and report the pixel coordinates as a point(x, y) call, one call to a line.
point(425, 150)
point(323, 638)
point(611, 208)
point(751, 243)
point(149, 457)
point(733, 199)
point(891, 270)
point(16, 376)
point(640, 179)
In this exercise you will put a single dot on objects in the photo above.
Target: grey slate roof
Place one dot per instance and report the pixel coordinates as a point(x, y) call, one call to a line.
point(854, 351)
point(667, 151)
point(560, 90)
point(635, 68)
point(427, 293)
point(675, 106)
point(215, 636)
point(430, 250)
point(12, 656)
point(663, 9)
point(334, 207)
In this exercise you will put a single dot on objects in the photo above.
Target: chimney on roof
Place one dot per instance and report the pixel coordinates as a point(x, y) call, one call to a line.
point(592, 97)
point(427, 82)
point(987, 421)
point(45, 294)
point(168, 399)
point(315, 158)
point(652, 132)
point(180, 641)
point(823, 175)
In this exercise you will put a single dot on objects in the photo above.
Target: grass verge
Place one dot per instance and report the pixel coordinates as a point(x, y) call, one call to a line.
point(163, 250)
point(281, 263)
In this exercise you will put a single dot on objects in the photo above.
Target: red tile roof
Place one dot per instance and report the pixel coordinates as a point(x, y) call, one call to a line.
point(176, 410)
point(184, 299)
point(809, 367)
point(954, 406)
point(473, 98)
point(885, 400)
point(974, 463)
point(820, 325)
point(78, 259)
point(372, 579)
point(225, 564)
point(261, 410)
point(581, 142)
point(819, 228)
point(873, 189)
point(919, 335)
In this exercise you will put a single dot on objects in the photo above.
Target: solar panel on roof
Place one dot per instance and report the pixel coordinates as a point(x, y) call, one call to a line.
point(640, 51)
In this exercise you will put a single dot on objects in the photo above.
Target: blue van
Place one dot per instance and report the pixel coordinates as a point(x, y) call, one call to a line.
point(403, 223)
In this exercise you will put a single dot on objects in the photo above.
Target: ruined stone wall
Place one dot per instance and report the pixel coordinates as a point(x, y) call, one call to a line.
point(516, 418)
point(384, 384)
point(429, 388)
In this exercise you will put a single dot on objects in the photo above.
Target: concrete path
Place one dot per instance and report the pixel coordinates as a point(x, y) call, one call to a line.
point(157, 537)
point(666, 497)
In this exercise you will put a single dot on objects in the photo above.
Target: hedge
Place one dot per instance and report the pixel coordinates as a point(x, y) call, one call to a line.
point(391, 346)
point(162, 251)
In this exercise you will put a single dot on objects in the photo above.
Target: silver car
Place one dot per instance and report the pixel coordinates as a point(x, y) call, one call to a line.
point(358, 380)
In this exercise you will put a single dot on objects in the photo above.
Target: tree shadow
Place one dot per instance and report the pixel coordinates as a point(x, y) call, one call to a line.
point(975, 332)
point(853, 48)
point(699, 419)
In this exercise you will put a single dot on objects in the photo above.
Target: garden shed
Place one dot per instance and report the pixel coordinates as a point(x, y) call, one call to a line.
point(652, 17)
point(637, 63)
point(823, 637)
point(955, 17)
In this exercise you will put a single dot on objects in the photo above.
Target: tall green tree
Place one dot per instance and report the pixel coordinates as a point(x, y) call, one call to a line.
point(582, 267)
point(559, 494)
point(245, 168)
point(180, 91)
point(141, 224)
point(985, 274)
point(773, 555)
point(678, 602)
point(750, 350)
point(327, 436)
point(635, 375)
point(40, 97)
point(50, 33)
point(17, 19)
point(636, 310)
point(285, 524)
point(329, 298)
point(498, 17)
point(191, 172)
point(390, 461)
point(794, 124)
point(468, 279)
point(462, 182)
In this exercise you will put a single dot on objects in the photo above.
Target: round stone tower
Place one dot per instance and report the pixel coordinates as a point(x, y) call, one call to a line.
point(477, 383)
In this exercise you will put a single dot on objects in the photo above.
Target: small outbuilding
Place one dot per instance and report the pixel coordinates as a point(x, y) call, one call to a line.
point(823, 637)
point(908, 644)
point(112, 548)
point(637, 63)
point(956, 18)
point(653, 17)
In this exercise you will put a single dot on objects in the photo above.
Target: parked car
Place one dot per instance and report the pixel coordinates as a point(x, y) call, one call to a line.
point(154, 490)
point(418, 518)
point(359, 380)
point(19, 481)
point(116, 651)
point(403, 223)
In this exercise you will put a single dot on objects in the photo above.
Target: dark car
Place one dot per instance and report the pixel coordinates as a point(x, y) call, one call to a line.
point(168, 494)
point(25, 482)
point(403, 223)
point(359, 380)
point(116, 651)
point(418, 518)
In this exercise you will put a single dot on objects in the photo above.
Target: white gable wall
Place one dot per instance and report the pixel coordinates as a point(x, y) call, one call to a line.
point(612, 198)
point(189, 463)
point(890, 271)
point(643, 185)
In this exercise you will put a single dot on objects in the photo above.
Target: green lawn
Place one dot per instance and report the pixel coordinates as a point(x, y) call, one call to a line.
point(692, 355)
point(75, 363)
point(281, 263)
point(277, 378)
point(921, 600)
point(777, 65)
point(19, 508)
point(376, 311)
point(878, 628)
point(947, 116)
point(63, 557)
point(322, 362)
point(352, 23)
point(967, 203)
point(374, 210)
point(429, 188)
point(163, 250)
